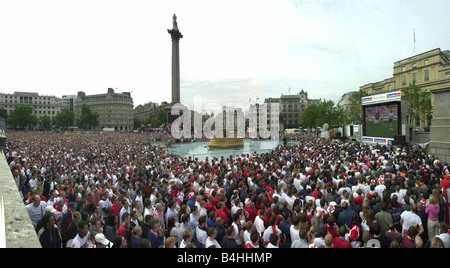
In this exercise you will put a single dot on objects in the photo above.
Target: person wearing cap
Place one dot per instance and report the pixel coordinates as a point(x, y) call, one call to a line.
point(48, 210)
point(102, 242)
point(354, 236)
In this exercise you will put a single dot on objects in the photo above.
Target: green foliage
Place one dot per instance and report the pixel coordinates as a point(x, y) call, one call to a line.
point(419, 102)
point(88, 118)
point(308, 116)
point(45, 122)
point(136, 123)
point(22, 116)
point(64, 119)
point(315, 115)
point(158, 120)
point(354, 112)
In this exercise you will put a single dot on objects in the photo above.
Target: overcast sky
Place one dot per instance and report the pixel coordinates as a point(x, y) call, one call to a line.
point(231, 51)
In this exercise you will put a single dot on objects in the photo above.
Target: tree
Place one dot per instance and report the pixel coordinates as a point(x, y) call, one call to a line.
point(64, 119)
point(88, 118)
point(159, 119)
point(45, 122)
point(22, 116)
point(419, 102)
point(354, 112)
point(136, 123)
point(315, 115)
point(309, 116)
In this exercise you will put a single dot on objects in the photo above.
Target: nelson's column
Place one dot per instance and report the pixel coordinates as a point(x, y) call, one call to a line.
point(176, 36)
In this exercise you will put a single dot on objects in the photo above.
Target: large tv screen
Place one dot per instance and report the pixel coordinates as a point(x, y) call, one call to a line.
point(382, 120)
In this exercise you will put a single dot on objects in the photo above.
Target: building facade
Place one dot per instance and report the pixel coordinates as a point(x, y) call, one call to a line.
point(429, 70)
point(147, 110)
point(68, 101)
point(115, 109)
point(41, 104)
point(291, 109)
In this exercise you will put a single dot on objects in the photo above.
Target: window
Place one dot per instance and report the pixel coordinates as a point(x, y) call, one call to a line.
point(426, 75)
point(403, 68)
point(417, 121)
point(414, 77)
point(389, 87)
point(403, 80)
point(425, 62)
point(414, 66)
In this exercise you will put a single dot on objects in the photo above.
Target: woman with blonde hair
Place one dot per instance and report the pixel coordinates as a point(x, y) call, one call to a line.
point(432, 210)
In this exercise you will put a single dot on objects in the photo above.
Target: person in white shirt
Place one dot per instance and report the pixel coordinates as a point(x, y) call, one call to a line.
point(271, 229)
point(274, 241)
point(125, 208)
point(187, 238)
point(81, 239)
point(320, 241)
point(443, 234)
point(410, 218)
point(259, 222)
point(105, 204)
point(140, 198)
point(36, 210)
point(153, 197)
point(200, 231)
point(211, 240)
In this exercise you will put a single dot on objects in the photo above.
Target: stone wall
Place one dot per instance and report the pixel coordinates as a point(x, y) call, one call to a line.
point(19, 229)
point(440, 126)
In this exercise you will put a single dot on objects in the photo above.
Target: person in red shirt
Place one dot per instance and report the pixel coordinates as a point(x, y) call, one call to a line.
point(251, 212)
point(116, 207)
point(124, 228)
point(221, 213)
point(360, 198)
point(209, 205)
point(331, 226)
point(340, 241)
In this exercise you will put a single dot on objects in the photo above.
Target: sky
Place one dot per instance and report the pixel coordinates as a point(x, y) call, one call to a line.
point(232, 52)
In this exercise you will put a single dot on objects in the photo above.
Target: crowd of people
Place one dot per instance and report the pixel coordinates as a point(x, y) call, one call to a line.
point(117, 190)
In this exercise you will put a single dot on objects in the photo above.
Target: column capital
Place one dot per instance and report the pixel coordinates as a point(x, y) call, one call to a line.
point(175, 34)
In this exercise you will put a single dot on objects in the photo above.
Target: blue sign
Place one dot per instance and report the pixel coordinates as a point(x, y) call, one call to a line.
point(393, 95)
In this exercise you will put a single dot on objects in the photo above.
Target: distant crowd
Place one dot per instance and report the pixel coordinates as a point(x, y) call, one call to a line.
point(117, 190)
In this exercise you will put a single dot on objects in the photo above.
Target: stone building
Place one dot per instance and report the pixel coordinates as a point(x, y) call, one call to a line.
point(41, 104)
point(430, 70)
point(148, 110)
point(115, 109)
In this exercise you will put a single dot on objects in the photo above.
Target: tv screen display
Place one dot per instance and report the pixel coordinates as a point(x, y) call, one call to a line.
point(381, 120)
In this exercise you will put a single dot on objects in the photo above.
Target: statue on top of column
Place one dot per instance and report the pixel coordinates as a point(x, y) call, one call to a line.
point(175, 25)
